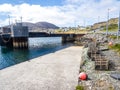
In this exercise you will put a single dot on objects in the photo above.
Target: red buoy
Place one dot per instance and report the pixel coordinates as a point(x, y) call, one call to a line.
point(82, 76)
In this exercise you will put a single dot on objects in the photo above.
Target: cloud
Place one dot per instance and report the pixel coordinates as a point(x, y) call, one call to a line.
point(89, 10)
point(71, 13)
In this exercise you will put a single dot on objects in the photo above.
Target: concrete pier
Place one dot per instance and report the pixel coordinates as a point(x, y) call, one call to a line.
point(20, 43)
point(55, 71)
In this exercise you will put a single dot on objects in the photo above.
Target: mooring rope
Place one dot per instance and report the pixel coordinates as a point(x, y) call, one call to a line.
point(5, 41)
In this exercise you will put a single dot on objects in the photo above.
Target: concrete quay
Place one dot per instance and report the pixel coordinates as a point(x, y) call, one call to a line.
point(55, 71)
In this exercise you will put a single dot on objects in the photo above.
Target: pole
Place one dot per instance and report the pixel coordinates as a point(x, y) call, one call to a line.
point(107, 23)
point(75, 26)
point(98, 22)
point(1, 29)
point(84, 23)
point(118, 26)
point(98, 19)
point(21, 19)
point(9, 20)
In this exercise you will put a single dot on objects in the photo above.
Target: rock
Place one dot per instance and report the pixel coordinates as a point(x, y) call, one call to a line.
point(115, 76)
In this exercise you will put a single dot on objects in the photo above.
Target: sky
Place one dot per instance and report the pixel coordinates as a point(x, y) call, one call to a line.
point(63, 13)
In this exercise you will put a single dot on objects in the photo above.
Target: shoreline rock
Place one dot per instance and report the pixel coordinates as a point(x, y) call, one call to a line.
point(100, 79)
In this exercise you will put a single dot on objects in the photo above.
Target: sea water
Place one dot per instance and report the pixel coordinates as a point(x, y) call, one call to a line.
point(37, 47)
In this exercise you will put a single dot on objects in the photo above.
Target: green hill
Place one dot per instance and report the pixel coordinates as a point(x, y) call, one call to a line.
point(113, 24)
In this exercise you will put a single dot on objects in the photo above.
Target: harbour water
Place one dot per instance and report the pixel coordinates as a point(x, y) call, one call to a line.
point(37, 47)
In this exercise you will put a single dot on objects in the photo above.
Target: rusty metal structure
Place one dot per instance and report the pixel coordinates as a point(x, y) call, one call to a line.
point(16, 36)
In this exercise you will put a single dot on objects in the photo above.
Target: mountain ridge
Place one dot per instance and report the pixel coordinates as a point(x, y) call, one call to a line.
point(39, 26)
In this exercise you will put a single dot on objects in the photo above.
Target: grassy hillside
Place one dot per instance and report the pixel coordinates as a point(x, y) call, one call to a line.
point(113, 25)
point(115, 47)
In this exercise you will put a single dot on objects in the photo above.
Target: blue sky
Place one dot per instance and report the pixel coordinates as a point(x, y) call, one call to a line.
point(59, 12)
point(38, 2)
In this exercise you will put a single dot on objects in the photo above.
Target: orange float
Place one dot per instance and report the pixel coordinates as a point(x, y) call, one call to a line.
point(110, 43)
point(82, 76)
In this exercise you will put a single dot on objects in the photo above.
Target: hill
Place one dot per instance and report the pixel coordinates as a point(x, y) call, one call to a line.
point(112, 22)
point(40, 26)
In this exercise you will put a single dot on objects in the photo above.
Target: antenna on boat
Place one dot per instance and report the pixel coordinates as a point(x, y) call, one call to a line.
point(21, 19)
point(15, 21)
point(9, 19)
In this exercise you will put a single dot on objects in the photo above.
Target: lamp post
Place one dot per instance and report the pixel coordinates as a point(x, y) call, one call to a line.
point(107, 23)
point(75, 26)
point(118, 26)
point(99, 23)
